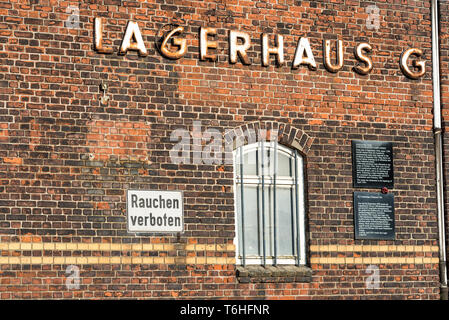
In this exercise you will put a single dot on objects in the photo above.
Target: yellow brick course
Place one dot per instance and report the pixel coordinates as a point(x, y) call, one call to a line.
point(410, 250)
point(372, 248)
point(207, 257)
point(371, 260)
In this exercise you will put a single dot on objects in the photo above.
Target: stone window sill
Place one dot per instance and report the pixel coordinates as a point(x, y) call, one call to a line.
point(285, 273)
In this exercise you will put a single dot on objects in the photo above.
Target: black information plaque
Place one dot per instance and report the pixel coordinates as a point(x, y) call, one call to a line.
point(374, 216)
point(372, 164)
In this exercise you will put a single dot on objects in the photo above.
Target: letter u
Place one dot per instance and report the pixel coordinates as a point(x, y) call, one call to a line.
point(327, 56)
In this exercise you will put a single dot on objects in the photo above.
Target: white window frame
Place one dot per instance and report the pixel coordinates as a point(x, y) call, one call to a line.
point(299, 216)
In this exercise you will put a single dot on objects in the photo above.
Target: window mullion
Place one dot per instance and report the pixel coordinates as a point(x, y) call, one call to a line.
point(301, 223)
point(263, 203)
point(242, 206)
point(297, 211)
point(275, 155)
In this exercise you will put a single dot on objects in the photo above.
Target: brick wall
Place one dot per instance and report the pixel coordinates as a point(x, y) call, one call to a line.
point(67, 160)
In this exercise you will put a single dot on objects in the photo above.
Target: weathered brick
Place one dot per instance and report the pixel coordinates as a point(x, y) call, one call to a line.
point(67, 159)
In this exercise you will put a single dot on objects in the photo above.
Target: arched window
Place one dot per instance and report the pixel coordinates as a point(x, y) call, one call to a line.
point(269, 194)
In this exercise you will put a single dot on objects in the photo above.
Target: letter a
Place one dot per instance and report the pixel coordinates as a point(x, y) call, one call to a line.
point(304, 45)
point(133, 31)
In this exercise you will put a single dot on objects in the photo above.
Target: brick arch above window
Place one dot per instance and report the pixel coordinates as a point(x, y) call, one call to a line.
point(287, 135)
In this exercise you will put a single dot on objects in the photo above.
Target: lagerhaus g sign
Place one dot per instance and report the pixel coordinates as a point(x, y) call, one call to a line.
point(174, 46)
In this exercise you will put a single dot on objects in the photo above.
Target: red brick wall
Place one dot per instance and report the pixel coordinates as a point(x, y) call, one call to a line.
point(66, 160)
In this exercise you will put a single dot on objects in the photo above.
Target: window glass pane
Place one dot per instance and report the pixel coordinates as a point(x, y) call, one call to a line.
point(284, 165)
point(251, 224)
point(268, 214)
point(284, 220)
point(249, 163)
point(267, 162)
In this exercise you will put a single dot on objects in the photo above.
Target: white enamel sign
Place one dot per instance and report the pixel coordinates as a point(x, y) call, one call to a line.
point(155, 211)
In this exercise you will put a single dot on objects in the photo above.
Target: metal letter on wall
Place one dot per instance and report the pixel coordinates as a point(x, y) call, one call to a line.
point(133, 31)
point(309, 60)
point(267, 50)
point(239, 50)
point(99, 37)
point(206, 44)
point(421, 65)
point(359, 55)
point(180, 43)
point(327, 56)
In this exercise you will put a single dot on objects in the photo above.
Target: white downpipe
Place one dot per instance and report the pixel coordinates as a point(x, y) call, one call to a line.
point(438, 149)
